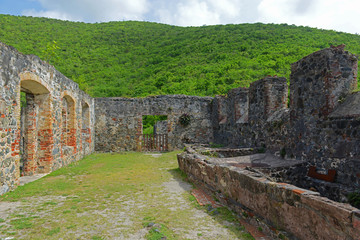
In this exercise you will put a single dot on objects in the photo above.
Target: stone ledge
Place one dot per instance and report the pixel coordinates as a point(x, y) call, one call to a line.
point(301, 212)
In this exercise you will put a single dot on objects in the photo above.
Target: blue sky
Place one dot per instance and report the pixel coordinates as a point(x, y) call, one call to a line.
point(340, 15)
point(15, 7)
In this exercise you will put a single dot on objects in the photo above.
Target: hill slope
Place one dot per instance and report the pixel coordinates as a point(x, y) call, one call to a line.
point(142, 58)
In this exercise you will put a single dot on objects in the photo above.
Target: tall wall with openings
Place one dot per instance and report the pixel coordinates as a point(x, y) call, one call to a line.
point(46, 121)
point(119, 121)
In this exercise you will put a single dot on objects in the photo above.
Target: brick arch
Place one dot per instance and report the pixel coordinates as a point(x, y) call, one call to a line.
point(34, 83)
point(85, 114)
point(36, 134)
point(69, 128)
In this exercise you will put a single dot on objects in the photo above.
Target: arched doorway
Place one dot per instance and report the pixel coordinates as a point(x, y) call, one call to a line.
point(68, 136)
point(85, 128)
point(36, 141)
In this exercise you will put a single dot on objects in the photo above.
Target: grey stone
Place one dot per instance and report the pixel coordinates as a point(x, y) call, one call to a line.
point(4, 189)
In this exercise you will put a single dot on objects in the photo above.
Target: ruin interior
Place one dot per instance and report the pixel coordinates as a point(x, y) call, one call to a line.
point(289, 150)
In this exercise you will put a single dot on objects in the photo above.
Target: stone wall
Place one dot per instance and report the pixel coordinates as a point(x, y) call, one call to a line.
point(302, 213)
point(246, 117)
point(318, 84)
point(161, 127)
point(38, 132)
point(320, 124)
point(119, 121)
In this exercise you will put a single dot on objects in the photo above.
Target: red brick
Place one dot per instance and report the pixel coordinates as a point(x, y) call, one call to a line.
point(204, 199)
point(356, 220)
point(257, 235)
point(298, 191)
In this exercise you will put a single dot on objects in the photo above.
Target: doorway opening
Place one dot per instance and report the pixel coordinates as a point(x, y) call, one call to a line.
point(68, 136)
point(36, 141)
point(154, 133)
point(85, 129)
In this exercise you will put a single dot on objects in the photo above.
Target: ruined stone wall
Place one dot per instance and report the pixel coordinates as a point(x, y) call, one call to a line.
point(300, 212)
point(161, 127)
point(321, 124)
point(252, 117)
point(318, 84)
point(38, 145)
point(119, 121)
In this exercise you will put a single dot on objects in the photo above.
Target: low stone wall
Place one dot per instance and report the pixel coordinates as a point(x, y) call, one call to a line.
point(302, 213)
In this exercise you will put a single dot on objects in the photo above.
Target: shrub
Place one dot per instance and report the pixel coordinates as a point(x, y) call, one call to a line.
point(184, 119)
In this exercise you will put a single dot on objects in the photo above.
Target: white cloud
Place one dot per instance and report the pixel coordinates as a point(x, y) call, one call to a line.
point(49, 14)
point(341, 15)
point(205, 12)
point(195, 13)
point(92, 10)
point(327, 14)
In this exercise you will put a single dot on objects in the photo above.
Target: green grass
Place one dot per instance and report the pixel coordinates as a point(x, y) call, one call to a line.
point(354, 199)
point(96, 238)
point(216, 145)
point(108, 196)
point(53, 231)
point(160, 231)
point(22, 223)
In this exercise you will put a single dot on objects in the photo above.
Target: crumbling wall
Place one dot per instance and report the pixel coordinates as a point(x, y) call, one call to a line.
point(254, 116)
point(320, 126)
point(318, 84)
point(300, 212)
point(119, 121)
point(38, 143)
point(221, 119)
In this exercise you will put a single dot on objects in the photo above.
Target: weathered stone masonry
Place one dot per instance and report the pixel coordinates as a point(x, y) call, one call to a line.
point(118, 124)
point(319, 125)
point(303, 214)
point(53, 128)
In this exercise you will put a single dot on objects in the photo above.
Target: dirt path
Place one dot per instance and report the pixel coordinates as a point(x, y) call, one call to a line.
point(146, 199)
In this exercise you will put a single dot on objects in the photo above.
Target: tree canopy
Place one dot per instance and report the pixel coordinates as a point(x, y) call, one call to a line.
point(136, 59)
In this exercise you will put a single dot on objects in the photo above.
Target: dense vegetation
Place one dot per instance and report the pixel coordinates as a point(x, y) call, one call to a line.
point(142, 58)
point(149, 121)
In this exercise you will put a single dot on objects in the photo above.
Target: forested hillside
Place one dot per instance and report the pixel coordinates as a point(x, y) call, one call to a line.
point(142, 58)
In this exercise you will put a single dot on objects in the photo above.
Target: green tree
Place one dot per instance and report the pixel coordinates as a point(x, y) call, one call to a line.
point(50, 53)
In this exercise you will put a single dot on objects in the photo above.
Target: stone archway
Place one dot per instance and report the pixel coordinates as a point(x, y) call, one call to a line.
point(85, 128)
point(37, 140)
point(68, 135)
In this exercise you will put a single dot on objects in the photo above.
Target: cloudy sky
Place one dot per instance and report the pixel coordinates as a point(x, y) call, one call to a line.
point(340, 15)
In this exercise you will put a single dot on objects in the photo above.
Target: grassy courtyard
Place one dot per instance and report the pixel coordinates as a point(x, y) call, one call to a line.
point(114, 196)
